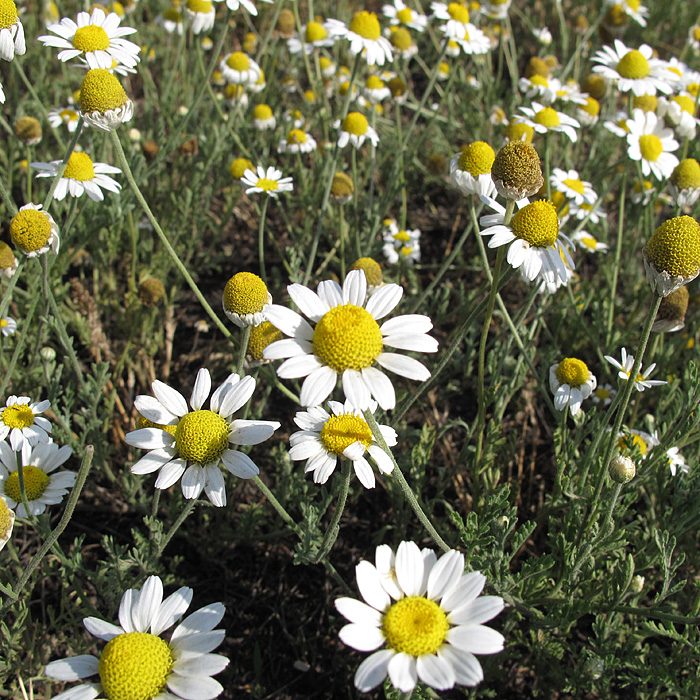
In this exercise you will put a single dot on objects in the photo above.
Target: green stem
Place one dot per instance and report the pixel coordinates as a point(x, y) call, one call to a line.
point(245, 337)
point(616, 266)
point(261, 237)
point(62, 168)
point(334, 528)
point(401, 480)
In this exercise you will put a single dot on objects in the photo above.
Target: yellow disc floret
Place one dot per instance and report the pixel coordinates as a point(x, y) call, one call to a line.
point(372, 270)
point(262, 112)
point(458, 12)
point(30, 230)
point(476, 158)
point(685, 103)
point(366, 25)
point(100, 92)
point(315, 32)
point(245, 293)
point(135, 666)
point(339, 432)
point(145, 423)
point(36, 482)
point(90, 38)
point(686, 175)
point(537, 223)
point(572, 371)
point(355, 123)
point(202, 437)
point(347, 337)
point(628, 442)
point(238, 61)
point(415, 626)
point(591, 107)
point(374, 82)
point(520, 131)
point(633, 66)
point(675, 247)
point(651, 147)
point(547, 117)
point(79, 167)
point(342, 186)
point(8, 14)
point(239, 166)
point(260, 337)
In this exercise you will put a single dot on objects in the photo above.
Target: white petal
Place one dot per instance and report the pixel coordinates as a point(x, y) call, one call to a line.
point(194, 687)
point(251, 432)
point(373, 670)
point(289, 322)
point(129, 599)
point(149, 602)
point(193, 481)
point(308, 302)
point(384, 300)
point(408, 323)
point(201, 665)
point(356, 390)
point(173, 607)
point(296, 367)
point(237, 396)
point(410, 568)
point(381, 458)
point(402, 672)
point(171, 399)
point(445, 574)
point(202, 387)
point(152, 409)
point(466, 667)
point(481, 610)
point(73, 669)
point(358, 612)
point(404, 366)
point(361, 637)
point(204, 642)
point(318, 386)
point(86, 691)
point(369, 583)
point(200, 621)
point(435, 672)
point(101, 629)
point(214, 485)
point(330, 292)
point(355, 288)
point(381, 387)
point(465, 592)
point(239, 464)
point(170, 473)
point(476, 639)
point(289, 347)
point(414, 343)
point(364, 473)
point(153, 461)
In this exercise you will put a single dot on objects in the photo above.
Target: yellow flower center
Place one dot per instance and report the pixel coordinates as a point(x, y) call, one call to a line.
point(675, 247)
point(238, 61)
point(602, 393)
point(540, 80)
point(374, 82)
point(402, 236)
point(355, 123)
point(347, 337)
point(444, 68)
point(260, 337)
point(633, 5)
point(7, 257)
point(30, 230)
point(647, 103)
point(591, 107)
point(458, 12)
point(135, 666)
point(6, 521)
point(650, 146)
point(405, 16)
point(202, 437)
point(575, 185)
point(325, 63)
point(537, 223)
point(8, 14)
point(633, 65)
point(79, 167)
point(615, 16)
point(685, 103)
point(415, 626)
point(686, 175)
point(572, 372)
point(406, 250)
point(69, 115)
point(90, 38)
point(342, 186)
point(245, 293)
point(696, 33)
point(296, 136)
point(35, 483)
point(100, 92)
point(262, 112)
point(339, 432)
point(547, 117)
point(172, 15)
point(366, 25)
point(267, 185)
point(628, 442)
point(520, 131)
point(315, 32)
point(145, 423)
point(4, 323)
point(589, 242)
point(203, 6)
point(372, 270)
point(239, 166)
point(476, 158)
point(642, 187)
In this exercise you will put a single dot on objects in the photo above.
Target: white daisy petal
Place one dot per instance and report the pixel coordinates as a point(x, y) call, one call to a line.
point(73, 669)
point(373, 670)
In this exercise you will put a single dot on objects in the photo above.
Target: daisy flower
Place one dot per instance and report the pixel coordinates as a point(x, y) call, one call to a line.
point(7, 521)
point(103, 101)
point(234, 5)
point(633, 9)
point(400, 14)
point(263, 118)
point(297, 141)
point(316, 35)
point(543, 35)
point(8, 326)
point(545, 119)
point(355, 129)
point(41, 486)
point(67, 116)
point(96, 37)
point(676, 461)
point(34, 231)
point(137, 662)
point(8, 261)
point(496, 9)
point(200, 14)
point(401, 244)
point(585, 241)
point(572, 187)
point(544, 89)
point(455, 17)
point(630, 439)
point(326, 437)
point(193, 444)
point(81, 175)
point(679, 110)
point(11, 31)
point(533, 238)
point(473, 41)
point(604, 394)
point(239, 69)
point(649, 141)
point(632, 70)
point(246, 299)
point(694, 37)
point(23, 422)
point(643, 192)
point(685, 182)
point(269, 181)
point(365, 37)
point(624, 368)
point(426, 613)
point(593, 212)
point(571, 382)
point(347, 340)
point(171, 20)
point(375, 89)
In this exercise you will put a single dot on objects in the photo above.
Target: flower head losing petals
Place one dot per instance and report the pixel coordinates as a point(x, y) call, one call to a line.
point(34, 231)
point(624, 368)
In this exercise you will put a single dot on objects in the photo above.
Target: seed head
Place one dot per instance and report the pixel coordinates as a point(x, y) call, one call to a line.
point(28, 130)
point(516, 171)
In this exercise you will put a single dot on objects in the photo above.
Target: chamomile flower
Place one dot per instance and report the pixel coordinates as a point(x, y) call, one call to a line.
point(66, 116)
point(8, 326)
point(171, 20)
point(375, 89)
point(618, 126)
point(588, 112)
point(365, 37)
point(11, 31)
point(246, 299)
point(193, 444)
point(315, 35)
point(455, 16)
point(643, 192)
point(652, 144)
point(137, 662)
point(585, 241)
point(633, 9)
point(103, 102)
point(572, 187)
point(625, 366)
point(632, 70)
point(234, 5)
point(591, 212)
point(23, 422)
point(473, 41)
point(400, 244)
point(684, 182)
point(269, 181)
point(545, 119)
point(43, 488)
point(694, 37)
point(81, 175)
point(676, 461)
point(354, 129)
point(297, 141)
point(496, 9)
point(428, 615)
point(326, 437)
point(96, 37)
point(604, 394)
point(543, 88)
point(533, 238)
point(679, 110)
point(200, 14)
point(34, 231)
point(263, 118)
point(543, 35)
point(347, 340)
point(239, 69)
point(630, 440)
point(7, 521)
point(571, 382)
point(400, 14)
point(8, 261)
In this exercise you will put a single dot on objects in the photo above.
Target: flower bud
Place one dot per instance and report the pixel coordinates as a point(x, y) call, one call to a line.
point(622, 469)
